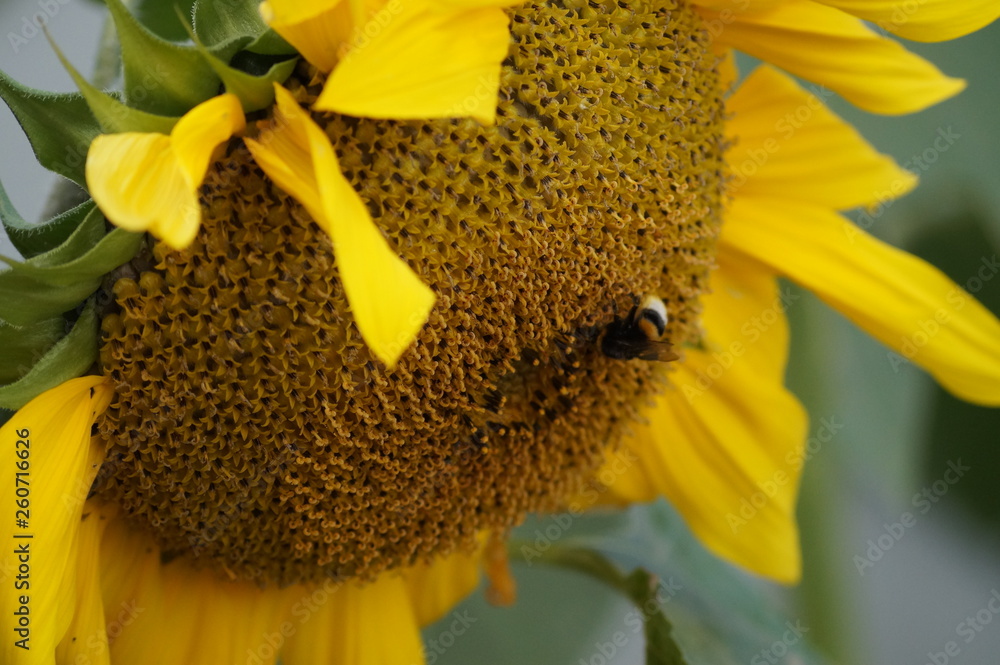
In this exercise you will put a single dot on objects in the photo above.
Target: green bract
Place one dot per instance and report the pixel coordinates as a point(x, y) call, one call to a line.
point(49, 321)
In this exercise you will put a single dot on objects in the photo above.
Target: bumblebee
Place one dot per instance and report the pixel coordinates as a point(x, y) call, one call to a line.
point(639, 334)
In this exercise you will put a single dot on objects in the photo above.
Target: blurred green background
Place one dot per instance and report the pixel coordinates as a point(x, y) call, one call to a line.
point(900, 433)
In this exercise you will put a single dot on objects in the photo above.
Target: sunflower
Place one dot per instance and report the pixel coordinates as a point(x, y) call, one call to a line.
point(425, 267)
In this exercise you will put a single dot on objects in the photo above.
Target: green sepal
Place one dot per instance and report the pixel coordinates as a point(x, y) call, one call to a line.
point(161, 17)
point(161, 77)
point(221, 22)
point(68, 358)
point(254, 92)
point(57, 281)
point(640, 586)
point(59, 126)
point(22, 348)
point(113, 115)
point(34, 239)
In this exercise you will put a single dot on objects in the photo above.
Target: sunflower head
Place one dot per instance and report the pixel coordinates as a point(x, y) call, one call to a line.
point(251, 416)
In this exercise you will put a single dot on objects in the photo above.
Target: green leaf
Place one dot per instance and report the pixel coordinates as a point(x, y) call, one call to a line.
point(161, 17)
point(21, 348)
point(640, 586)
point(113, 115)
point(161, 77)
point(68, 358)
point(33, 239)
point(218, 22)
point(114, 249)
point(271, 43)
point(86, 235)
point(221, 22)
point(57, 281)
point(254, 92)
point(60, 127)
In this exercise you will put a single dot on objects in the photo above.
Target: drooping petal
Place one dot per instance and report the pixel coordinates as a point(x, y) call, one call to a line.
point(196, 136)
point(725, 444)
point(428, 60)
point(86, 640)
point(826, 46)
point(149, 182)
point(208, 618)
point(436, 587)
point(926, 20)
point(902, 301)
point(318, 30)
point(56, 461)
point(137, 182)
point(228, 622)
point(348, 624)
point(389, 302)
point(132, 588)
point(787, 144)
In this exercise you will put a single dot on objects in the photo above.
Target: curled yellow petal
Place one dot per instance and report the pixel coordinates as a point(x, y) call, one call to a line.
point(926, 20)
point(389, 302)
point(787, 144)
point(320, 31)
point(831, 48)
point(54, 462)
point(423, 59)
point(902, 301)
point(149, 182)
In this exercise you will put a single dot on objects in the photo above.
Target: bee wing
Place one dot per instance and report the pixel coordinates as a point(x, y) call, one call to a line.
point(659, 351)
point(636, 346)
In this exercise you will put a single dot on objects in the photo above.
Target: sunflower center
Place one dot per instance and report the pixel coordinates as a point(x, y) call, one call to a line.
point(253, 430)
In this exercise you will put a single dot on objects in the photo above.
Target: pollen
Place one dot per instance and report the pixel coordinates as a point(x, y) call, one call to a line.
point(253, 431)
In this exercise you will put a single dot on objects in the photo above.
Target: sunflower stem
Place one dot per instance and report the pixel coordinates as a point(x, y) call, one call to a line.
point(824, 597)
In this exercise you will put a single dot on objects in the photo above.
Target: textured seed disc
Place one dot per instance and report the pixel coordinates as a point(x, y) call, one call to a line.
point(252, 427)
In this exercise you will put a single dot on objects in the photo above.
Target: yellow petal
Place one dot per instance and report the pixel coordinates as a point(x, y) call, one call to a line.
point(835, 50)
point(285, 152)
point(389, 302)
point(725, 444)
point(788, 144)
point(739, 6)
point(149, 182)
point(899, 299)
point(923, 20)
point(131, 586)
point(424, 62)
point(320, 31)
point(86, 640)
point(436, 587)
point(202, 129)
point(137, 181)
point(355, 625)
point(53, 462)
point(222, 621)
